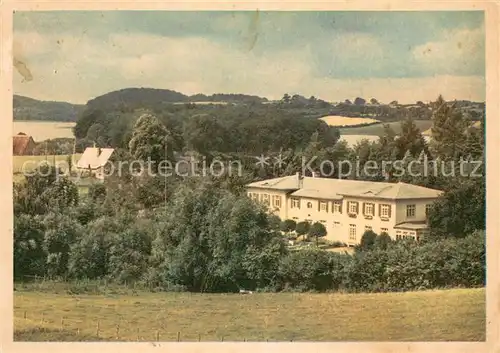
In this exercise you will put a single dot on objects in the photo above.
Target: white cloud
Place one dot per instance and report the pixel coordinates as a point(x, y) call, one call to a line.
point(76, 69)
point(459, 50)
point(354, 45)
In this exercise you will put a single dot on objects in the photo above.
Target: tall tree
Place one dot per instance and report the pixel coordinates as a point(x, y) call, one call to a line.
point(448, 130)
point(151, 140)
point(359, 101)
point(29, 256)
point(211, 240)
point(44, 189)
point(410, 139)
point(317, 230)
point(286, 98)
point(461, 210)
point(302, 228)
point(203, 134)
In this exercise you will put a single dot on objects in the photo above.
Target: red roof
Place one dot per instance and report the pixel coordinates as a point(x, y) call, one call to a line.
point(21, 142)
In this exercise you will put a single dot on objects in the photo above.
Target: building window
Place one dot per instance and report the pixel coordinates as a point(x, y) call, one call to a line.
point(410, 210)
point(295, 203)
point(353, 207)
point(427, 209)
point(253, 196)
point(277, 201)
point(309, 205)
point(265, 199)
point(385, 211)
point(398, 235)
point(295, 218)
point(352, 232)
point(323, 221)
point(323, 206)
point(337, 207)
point(369, 209)
point(336, 224)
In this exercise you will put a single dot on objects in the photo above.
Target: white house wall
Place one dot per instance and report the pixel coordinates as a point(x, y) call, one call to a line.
point(338, 224)
point(420, 206)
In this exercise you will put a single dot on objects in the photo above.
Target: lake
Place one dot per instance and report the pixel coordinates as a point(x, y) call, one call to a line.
point(42, 130)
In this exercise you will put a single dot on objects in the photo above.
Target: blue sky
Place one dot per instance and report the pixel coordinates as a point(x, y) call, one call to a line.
point(407, 56)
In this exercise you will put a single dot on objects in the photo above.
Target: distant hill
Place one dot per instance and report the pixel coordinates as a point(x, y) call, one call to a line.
point(137, 96)
point(153, 96)
point(32, 109)
point(229, 98)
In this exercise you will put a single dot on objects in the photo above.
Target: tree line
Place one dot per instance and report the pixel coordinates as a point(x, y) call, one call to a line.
point(206, 237)
point(204, 234)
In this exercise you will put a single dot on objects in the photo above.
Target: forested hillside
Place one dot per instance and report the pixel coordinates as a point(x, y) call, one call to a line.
point(202, 233)
point(32, 109)
point(141, 97)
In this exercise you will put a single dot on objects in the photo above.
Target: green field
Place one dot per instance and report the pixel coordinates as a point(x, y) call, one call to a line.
point(441, 315)
point(31, 162)
point(378, 129)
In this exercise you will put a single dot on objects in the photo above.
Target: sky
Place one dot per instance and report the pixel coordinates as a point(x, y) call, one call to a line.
point(75, 56)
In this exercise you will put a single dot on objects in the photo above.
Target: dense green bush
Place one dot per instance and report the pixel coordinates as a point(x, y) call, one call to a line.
point(402, 266)
point(312, 269)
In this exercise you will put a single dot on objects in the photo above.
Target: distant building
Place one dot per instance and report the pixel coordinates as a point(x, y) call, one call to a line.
point(22, 145)
point(93, 160)
point(348, 208)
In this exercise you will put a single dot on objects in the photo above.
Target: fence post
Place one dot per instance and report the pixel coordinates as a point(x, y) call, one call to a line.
point(118, 331)
point(25, 314)
point(157, 335)
point(222, 338)
point(62, 323)
point(138, 335)
point(199, 337)
point(178, 336)
point(41, 321)
point(97, 331)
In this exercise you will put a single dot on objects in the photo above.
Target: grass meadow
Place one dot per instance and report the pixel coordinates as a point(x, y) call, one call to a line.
point(28, 163)
point(378, 129)
point(438, 315)
point(339, 121)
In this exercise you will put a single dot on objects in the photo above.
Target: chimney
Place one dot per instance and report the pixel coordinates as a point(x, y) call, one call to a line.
point(300, 180)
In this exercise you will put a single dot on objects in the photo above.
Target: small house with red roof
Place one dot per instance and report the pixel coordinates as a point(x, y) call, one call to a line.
point(22, 145)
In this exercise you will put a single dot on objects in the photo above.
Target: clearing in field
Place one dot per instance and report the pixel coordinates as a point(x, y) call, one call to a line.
point(23, 164)
point(441, 315)
point(336, 120)
point(378, 129)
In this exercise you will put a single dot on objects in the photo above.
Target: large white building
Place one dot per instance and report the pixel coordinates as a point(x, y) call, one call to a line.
point(348, 208)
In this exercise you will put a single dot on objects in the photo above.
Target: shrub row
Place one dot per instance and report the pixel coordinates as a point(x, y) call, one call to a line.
point(403, 266)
